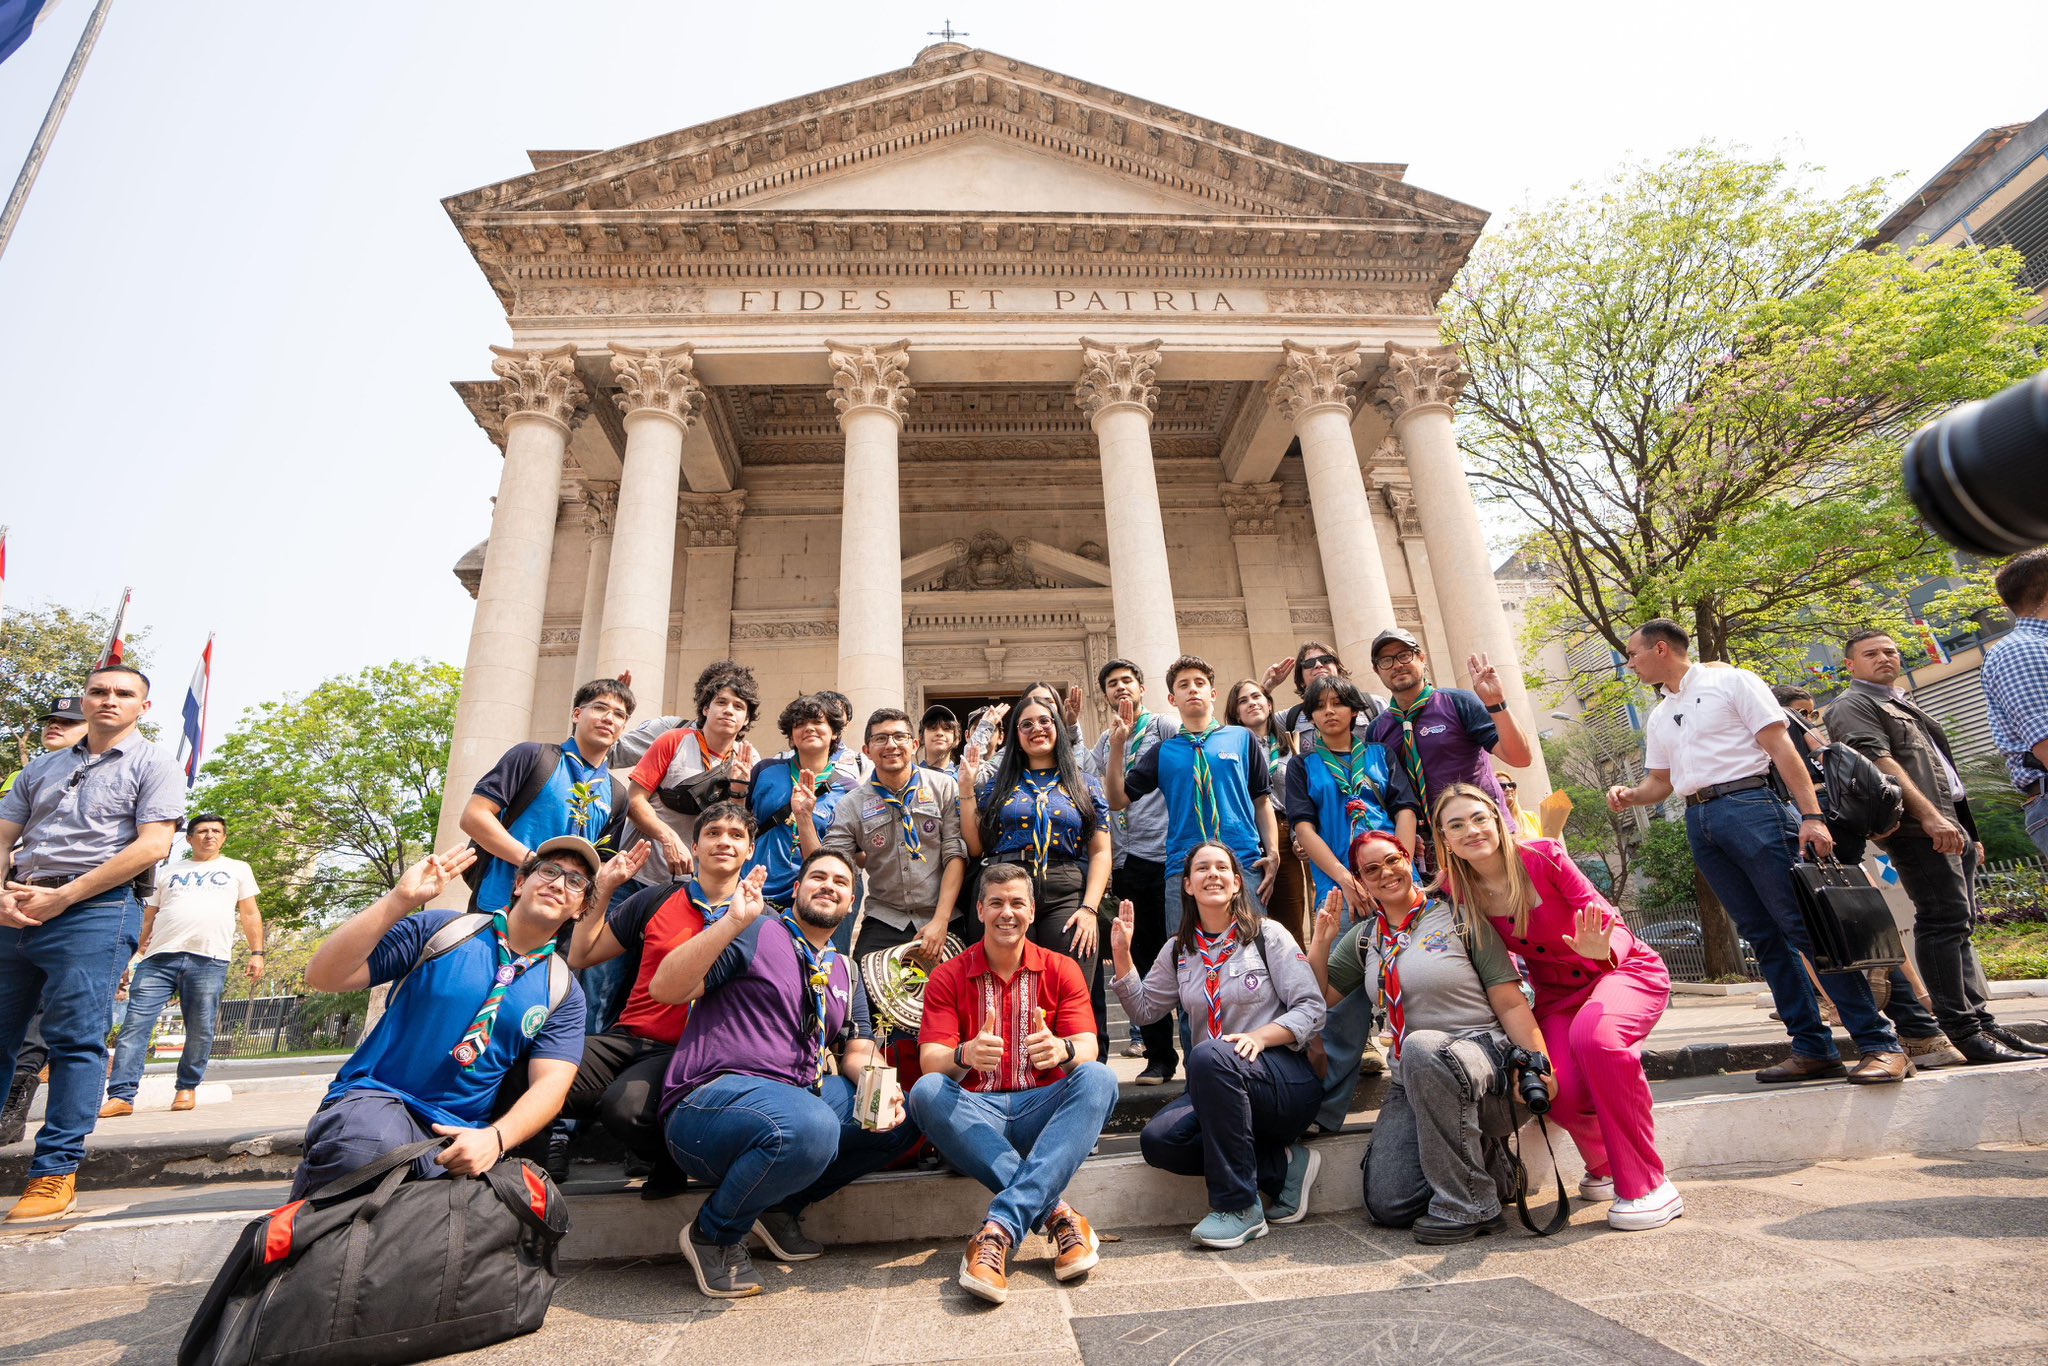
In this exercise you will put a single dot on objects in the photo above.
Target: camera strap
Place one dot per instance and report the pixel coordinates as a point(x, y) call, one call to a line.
point(1562, 1214)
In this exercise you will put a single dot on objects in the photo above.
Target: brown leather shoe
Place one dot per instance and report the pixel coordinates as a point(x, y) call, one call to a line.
point(1075, 1246)
point(47, 1197)
point(1875, 1069)
point(985, 1266)
point(185, 1100)
point(114, 1109)
point(1801, 1068)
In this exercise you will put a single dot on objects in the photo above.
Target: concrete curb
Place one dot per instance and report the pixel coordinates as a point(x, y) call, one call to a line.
point(1947, 1111)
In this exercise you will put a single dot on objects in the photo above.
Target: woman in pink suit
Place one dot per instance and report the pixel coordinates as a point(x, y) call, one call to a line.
point(1598, 994)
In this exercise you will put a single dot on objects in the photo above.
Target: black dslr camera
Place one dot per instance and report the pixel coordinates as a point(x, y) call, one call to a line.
point(1529, 1070)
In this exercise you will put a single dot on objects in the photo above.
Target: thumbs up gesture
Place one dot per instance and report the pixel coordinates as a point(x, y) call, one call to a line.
point(984, 1052)
point(1045, 1048)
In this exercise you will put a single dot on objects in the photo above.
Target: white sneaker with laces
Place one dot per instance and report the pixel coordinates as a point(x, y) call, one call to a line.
point(1596, 1189)
point(1654, 1210)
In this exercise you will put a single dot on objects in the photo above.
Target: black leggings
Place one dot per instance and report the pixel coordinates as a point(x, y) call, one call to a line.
point(1057, 895)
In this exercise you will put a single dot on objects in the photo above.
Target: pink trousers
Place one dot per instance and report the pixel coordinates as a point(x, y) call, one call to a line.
point(1600, 1095)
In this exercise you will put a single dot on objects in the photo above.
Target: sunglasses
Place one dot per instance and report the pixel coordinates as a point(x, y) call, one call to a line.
point(1319, 662)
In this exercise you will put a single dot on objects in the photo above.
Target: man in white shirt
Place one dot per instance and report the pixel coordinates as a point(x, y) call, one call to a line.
point(1713, 738)
point(188, 939)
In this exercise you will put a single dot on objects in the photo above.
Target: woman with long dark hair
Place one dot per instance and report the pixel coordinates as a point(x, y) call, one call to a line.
point(1036, 808)
point(1251, 1091)
point(1251, 706)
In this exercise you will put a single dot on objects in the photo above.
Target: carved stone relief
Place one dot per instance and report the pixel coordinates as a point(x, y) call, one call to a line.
point(605, 301)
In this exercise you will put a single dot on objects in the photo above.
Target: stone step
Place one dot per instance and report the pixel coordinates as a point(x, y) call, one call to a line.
point(164, 1236)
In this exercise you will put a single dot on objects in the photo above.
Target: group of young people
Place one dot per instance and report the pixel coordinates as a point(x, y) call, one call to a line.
point(668, 934)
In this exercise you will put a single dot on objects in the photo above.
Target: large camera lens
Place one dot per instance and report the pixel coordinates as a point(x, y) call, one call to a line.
point(1979, 475)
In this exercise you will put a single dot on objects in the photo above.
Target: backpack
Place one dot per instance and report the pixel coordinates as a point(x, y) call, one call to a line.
point(1855, 795)
point(537, 780)
point(376, 1268)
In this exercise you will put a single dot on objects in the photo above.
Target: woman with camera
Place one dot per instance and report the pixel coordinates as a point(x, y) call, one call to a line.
point(1599, 992)
point(1461, 1032)
point(1251, 1091)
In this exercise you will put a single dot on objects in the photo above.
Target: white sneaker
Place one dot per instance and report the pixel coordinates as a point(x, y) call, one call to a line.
point(1654, 1210)
point(1596, 1189)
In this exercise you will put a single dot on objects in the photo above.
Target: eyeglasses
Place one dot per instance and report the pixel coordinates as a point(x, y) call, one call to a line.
point(1038, 723)
point(1507, 787)
point(1319, 662)
point(891, 739)
point(576, 882)
point(1405, 657)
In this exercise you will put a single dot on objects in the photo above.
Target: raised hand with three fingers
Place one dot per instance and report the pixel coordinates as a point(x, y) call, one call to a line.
point(618, 870)
point(1486, 680)
point(1325, 931)
point(748, 901)
point(803, 796)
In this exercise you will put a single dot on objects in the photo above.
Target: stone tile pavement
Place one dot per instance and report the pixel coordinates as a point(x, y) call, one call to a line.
point(1929, 1258)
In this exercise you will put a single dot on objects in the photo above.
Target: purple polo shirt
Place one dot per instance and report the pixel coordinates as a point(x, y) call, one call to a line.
point(755, 1015)
point(1456, 736)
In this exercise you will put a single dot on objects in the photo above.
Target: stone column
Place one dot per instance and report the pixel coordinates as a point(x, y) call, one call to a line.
point(1116, 390)
point(871, 389)
point(659, 397)
point(540, 396)
point(1314, 388)
point(1261, 574)
point(711, 537)
point(1417, 390)
point(600, 506)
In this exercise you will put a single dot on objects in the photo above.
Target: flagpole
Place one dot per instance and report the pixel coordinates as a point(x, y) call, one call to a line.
point(48, 132)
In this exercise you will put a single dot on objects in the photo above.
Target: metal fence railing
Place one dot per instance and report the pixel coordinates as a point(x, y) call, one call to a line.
point(1674, 932)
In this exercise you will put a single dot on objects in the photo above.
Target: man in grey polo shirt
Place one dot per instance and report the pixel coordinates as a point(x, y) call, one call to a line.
point(76, 831)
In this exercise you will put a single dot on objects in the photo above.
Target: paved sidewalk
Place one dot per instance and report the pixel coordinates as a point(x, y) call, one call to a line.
point(1925, 1259)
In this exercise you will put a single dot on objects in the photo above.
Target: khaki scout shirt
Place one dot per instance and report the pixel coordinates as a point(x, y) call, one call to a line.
point(902, 891)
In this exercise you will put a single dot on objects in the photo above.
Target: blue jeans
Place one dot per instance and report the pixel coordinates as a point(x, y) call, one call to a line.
point(1023, 1145)
point(355, 1131)
point(198, 982)
point(769, 1145)
point(1235, 1122)
point(1746, 843)
point(2035, 813)
point(71, 965)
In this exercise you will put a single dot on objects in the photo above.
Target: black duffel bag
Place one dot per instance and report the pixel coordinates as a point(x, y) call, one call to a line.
point(402, 1271)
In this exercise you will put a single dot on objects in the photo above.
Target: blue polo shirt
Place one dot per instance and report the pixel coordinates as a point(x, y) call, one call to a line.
point(1237, 763)
point(1019, 813)
point(775, 844)
point(411, 1052)
point(576, 801)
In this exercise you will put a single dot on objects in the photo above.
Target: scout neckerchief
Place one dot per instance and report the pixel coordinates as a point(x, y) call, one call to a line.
point(1276, 752)
point(817, 967)
point(1215, 950)
point(1131, 746)
point(1208, 816)
point(1040, 787)
point(1352, 777)
point(1389, 940)
point(1411, 752)
point(824, 779)
point(911, 791)
point(476, 1040)
point(712, 911)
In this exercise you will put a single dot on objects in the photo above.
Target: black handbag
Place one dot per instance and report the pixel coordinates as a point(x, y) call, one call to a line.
point(1849, 925)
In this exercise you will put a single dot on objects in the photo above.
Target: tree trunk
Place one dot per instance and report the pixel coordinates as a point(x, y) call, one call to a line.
point(1719, 944)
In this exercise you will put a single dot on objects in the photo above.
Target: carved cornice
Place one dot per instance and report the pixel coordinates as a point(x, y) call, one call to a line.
point(1115, 375)
point(657, 379)
point(711, 519)
point(871, 377)
point(485, 399)
point(1232, 617)
point(1312, 377)
point(1350, 303)
point(599, 506)
point(539, 384)
point(1420, 379)
point(1253, 508)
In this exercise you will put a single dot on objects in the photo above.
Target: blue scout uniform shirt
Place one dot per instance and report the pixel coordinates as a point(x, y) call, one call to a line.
point(1238, 763)
point(775, 846)
point(1014, 822)
point(566, 806)
point(1313, 795)
point(411, 1052)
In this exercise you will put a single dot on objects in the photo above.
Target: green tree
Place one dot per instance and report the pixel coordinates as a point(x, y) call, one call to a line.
point(1591, 831)
point(1664, 858)
point(44, 653)
point(330, 796)
point(1693, 387)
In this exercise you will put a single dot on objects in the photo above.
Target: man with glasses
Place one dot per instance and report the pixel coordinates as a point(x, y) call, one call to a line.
point(77, 833)
point(477, 995)
point(1444, 736)
point(905, 821)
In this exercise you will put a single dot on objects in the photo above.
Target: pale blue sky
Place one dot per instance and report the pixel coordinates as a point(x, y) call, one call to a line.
point(229, 317)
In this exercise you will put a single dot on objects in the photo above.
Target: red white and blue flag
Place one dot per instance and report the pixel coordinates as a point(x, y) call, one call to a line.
point(116, 647)
point(193, 740)
point(1931, 642)
point(18, 19)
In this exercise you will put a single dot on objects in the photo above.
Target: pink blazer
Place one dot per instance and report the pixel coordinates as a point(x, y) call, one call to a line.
point(1560, 976)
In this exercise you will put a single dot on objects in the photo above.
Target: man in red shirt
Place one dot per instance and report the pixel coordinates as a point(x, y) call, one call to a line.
point(1012, 1093)
point(621, 1076)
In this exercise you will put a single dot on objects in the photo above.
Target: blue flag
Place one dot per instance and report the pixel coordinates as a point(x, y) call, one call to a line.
point(18, 20)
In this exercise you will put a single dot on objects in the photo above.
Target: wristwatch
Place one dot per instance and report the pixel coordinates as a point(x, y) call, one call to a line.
point(960, 1056)
point(1072, 1052)
point(1497, 708)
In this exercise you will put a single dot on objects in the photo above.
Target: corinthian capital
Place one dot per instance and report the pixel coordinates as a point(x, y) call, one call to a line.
point(1115, 375)
point(1313, 377)
point(712, 519)
point(1252, 508)
point(657, 379)
point(598, 505)
point(871, 377)
point(540, 384)
point(1418, 378)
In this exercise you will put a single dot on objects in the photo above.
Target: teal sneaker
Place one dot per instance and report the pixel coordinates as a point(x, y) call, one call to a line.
point(1231, 1228)
point(1303, 1162)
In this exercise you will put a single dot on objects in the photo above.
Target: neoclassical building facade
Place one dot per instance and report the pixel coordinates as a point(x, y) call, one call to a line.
point(952, 379)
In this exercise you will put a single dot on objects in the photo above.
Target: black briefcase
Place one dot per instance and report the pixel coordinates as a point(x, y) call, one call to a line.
point(1849, 925)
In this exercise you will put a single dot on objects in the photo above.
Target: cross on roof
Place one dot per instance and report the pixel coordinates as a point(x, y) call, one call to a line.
point(947, 32)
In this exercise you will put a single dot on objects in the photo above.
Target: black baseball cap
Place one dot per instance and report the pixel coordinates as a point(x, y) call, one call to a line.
point(1394, 635)
point(938, 714)
point(63, 709)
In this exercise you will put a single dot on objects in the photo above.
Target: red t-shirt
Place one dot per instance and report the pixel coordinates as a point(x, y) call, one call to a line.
point(657, 920)
point(964, 989)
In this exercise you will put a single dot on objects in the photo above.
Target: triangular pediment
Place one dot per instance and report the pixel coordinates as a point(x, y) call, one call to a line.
point(988, 562)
